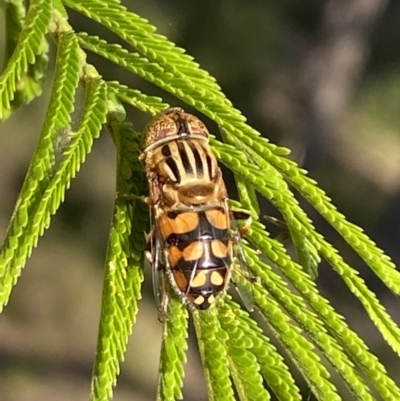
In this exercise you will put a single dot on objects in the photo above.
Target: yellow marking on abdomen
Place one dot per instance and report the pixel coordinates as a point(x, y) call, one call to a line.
point(199, 300)
point(219, 249)
point(216, 278)
point(193, 251)
point(199, 279)
point(218, 219)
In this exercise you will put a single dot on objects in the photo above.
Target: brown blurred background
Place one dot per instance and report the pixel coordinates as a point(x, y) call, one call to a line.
point(320, 77)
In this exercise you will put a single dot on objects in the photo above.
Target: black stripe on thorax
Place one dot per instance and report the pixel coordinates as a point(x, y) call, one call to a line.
point(171, 162)
point(184, 158)
point(197, 159)
point(209, 167)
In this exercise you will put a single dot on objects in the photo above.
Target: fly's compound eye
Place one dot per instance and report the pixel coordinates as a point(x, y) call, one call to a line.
point(173, 124)
point(196, 126)
point(160, 128)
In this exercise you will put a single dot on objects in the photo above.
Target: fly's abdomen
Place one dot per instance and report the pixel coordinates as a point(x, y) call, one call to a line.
point(201, 270)
point(199, 253)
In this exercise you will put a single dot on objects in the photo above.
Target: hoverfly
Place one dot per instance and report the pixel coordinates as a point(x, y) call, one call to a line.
point(194, 234)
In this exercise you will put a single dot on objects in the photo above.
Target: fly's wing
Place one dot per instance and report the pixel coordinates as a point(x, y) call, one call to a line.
point(155, 258)
point(241, 276)
point(157, 267)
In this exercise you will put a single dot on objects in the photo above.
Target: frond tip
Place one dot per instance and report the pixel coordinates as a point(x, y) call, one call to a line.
point(173, 350)
point(30, 45)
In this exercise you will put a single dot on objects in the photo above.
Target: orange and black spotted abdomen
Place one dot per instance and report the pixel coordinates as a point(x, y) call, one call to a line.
point(198, 252)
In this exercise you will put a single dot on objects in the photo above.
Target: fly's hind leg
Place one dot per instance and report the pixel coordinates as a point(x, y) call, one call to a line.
point(285, 234)
point(162, 307)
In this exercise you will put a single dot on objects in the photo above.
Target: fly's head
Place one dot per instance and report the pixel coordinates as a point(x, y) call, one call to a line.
point(172, 124)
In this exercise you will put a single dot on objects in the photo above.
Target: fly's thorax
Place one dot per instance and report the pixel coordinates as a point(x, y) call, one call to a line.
point(184, 161)
point(179, 159)
point(188, 172)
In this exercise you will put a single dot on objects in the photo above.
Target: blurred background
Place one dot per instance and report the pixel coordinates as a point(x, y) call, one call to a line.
point(320, 77)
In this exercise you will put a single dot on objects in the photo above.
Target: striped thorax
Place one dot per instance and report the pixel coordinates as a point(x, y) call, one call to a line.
point(182, 169)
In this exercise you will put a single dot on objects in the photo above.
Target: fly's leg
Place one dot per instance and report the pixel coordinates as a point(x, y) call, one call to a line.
point(125, 196)
point(283, 236)
point(241, 276)
point(162, 307)
point(239, 215)
point(241, 232)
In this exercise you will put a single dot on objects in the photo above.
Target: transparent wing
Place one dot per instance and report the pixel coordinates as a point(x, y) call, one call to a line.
point(241, 276)
point(156, 259)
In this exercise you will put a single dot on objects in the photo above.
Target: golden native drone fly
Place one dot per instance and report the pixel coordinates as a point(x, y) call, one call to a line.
point(193, 240)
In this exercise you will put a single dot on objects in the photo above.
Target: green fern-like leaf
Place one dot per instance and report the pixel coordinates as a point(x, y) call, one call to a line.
point(19, 244)
point(271, 363)
point(20, 239)
point(15, 13)
point(30, 46)
point(213, 350)
point(295, 307)
point(243, 364)
point(174, 345)
point(237, 356)
point(124, 260)
point(346, 338)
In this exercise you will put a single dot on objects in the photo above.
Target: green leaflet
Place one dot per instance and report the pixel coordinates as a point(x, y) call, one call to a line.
point(22, 235)
point(247, 192)
point(389, 329)
point(124, 260)
point(212, 344)
point(374, 257)
point(295, 307)
point(243, 363)
point(173, 348)
point(15, 13)
point(296, 218)
point(346, 338)
point(148, 104)
point(297, 346)
point(18, 248)
point(307, 254)
point(30, 45)
point(272, 365)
